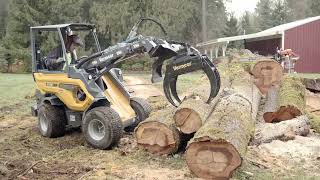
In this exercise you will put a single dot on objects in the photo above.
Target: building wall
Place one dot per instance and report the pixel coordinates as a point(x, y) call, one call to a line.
point(264, 47)
point(305, 41)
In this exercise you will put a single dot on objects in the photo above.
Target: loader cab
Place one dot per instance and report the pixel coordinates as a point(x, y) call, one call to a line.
point(53, 38)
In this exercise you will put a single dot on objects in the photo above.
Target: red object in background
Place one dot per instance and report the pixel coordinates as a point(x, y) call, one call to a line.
point(305, 41)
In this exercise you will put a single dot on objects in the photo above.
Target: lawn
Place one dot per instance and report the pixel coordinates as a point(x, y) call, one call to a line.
point(16, 89)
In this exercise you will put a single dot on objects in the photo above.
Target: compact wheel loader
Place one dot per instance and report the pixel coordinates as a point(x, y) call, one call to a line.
point(87, 94)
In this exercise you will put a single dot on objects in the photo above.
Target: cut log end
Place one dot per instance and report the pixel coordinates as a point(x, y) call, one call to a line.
point(212, 160)
point(286, 113)
point(268, 73)
point(157, 138)
point(269, 117)
point(187, 120)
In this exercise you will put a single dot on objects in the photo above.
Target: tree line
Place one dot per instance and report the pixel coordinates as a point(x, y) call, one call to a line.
point(114, 19)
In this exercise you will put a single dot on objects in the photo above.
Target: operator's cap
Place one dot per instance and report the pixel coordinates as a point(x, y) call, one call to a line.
point(76, 39)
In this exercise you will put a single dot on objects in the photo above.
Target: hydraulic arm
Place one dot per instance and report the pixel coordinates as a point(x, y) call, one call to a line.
point(182, 58)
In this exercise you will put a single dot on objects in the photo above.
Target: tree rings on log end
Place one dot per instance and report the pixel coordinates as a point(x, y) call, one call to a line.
point(212, 160)
point(267, 73)
point(187, 120)
point(286, 113)
point(157, 138)
point(269, 117)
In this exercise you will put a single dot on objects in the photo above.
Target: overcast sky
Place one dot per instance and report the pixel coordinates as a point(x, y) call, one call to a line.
point(240, 6)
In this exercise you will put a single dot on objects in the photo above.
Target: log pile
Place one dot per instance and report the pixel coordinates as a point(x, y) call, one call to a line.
point(219, 145)
point(218, 133)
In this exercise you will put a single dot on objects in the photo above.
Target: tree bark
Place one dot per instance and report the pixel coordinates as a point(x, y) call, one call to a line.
point(158, 102)
point(285, 130)
point(271, 105)
point(312, 84)
point(158, 134)
point(219, 145)
point(194, 111)
point(292, 99)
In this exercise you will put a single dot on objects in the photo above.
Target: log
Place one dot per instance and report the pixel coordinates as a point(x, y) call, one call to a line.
point(271, 105)
point(314, 122)
point(157, 102)
point(285, 130)
point(193, 111)
point(312, 84)
point(158, 134)
point(267, 73)
point(219, 145)
point(292, 100)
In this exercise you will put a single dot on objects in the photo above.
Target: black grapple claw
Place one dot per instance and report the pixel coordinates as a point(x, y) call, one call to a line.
point(187, 63)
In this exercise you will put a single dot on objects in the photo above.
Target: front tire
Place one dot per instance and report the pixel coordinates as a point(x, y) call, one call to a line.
point(142, 109)
point(102, 127)
point(51, 121)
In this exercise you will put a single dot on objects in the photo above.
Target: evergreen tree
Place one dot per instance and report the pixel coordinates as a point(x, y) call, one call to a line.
point(296, 9)
point(3, 15)
point(216, 18)
point(231, 28)
point(264, 14)
point(280, 13)
point(248, 23)
point(114, 19)
point(313, 8)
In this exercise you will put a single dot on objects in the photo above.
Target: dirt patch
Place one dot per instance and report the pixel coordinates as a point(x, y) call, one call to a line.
point(141, 88)
point(24, 152)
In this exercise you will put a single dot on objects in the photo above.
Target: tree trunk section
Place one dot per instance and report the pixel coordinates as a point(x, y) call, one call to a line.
point(267, 73)
point(285, 130)
point(158, 134)
point(271, 105)
point(158, 102)
point(219, 145)
point(312, 84)
point(193, 112)
point(292, 99)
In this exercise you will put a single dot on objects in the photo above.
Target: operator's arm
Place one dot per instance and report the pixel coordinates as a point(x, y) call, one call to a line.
point(53, 61)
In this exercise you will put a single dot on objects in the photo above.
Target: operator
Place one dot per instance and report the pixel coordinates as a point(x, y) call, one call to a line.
point(54, 59)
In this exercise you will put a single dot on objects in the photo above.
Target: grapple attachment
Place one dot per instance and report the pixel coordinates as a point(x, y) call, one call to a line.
point(183, 64)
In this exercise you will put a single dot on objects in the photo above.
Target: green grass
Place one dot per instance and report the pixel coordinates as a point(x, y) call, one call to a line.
point(307, 75)
point(14, 88)
point(185, 82)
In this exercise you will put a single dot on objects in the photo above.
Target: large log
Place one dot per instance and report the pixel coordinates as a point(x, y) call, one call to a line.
point(292, 99)
point(267, 73)
point(312, 84)
point(271, 105)
point(219, 145)
point(158, 102)
point(158, 134)
point(193, 111)
point(285, 130)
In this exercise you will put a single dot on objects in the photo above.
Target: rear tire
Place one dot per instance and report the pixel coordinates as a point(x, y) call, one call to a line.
point(142, 109)
point(51, 120)
point(102, 127)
